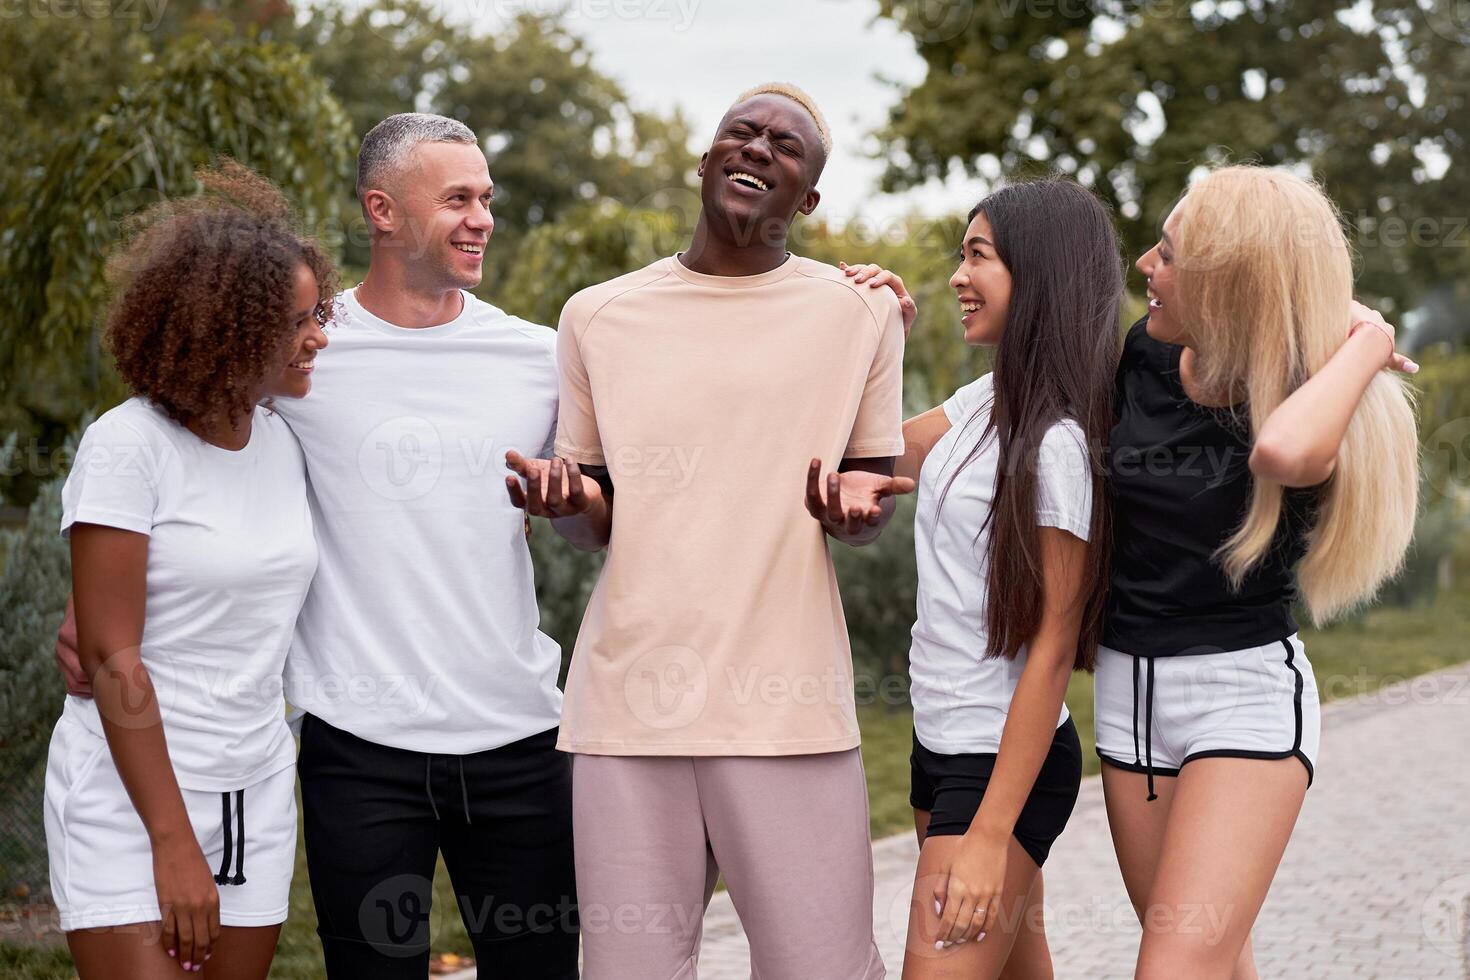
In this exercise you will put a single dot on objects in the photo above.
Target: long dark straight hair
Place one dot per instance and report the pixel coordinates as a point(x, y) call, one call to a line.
point(1055, 361)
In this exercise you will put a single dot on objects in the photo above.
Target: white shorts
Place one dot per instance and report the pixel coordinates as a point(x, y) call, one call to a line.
point(101, 859)
point(1156, 714)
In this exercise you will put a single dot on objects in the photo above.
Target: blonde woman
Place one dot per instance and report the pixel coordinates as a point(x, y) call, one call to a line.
point(1262, 454)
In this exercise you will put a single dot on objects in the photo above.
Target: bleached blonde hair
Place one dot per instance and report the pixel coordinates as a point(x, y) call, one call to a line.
point(801, 98)
point(1264, 278)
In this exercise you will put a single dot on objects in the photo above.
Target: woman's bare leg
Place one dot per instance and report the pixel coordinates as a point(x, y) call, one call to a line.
point(1137, 827)
point(1030, 957)
point(134, 951)
point(1228, 827)
point(976, 960)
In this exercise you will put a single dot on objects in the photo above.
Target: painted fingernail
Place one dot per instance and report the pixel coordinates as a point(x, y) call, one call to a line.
point(979, 937)
point(187, 966)
point(939, 944)
point(172, 953)
point(959, 942)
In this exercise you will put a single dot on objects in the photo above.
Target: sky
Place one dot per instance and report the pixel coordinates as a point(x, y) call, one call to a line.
point(699, 54)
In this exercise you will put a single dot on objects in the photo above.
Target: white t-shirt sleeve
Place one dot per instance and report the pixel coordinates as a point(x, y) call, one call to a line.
point(548, 448)
point(114, 480)
point(962, 404)
point(1064, 481)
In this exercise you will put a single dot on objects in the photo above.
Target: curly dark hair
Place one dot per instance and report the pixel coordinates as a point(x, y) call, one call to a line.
point(204, 290)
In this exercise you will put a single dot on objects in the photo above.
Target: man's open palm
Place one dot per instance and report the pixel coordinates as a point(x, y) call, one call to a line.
point(554, 487)
point(847, 502)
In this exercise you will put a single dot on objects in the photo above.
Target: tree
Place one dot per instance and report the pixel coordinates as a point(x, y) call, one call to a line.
point(65, 200)
point(110, 114)
point(558, 133)
point(1130, 96)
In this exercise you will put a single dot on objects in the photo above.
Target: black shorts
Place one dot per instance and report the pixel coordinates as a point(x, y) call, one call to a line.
point(950, 788)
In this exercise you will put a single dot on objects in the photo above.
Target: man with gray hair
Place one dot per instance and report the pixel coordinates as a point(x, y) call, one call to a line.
point(429, 695)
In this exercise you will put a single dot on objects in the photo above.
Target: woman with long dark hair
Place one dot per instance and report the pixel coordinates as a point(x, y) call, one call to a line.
point(1011, 544)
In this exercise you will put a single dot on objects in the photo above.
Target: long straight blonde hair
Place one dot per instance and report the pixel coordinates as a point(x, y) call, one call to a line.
point(1265, 278)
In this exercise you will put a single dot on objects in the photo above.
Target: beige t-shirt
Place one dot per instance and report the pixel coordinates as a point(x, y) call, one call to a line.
point(715, 627)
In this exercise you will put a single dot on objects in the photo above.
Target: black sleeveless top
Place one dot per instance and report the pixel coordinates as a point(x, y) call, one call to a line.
point(1181, 485)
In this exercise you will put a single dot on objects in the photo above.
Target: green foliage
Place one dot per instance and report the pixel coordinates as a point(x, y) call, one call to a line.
point(255, 102)
point(33, 590)
point(1437, 561)
point(559, 132)
point(62, 214)
point(924, 254)
point(879, 585)
point(564, 580)
point(1016, 87)
point(1443, 386)
point(112, 114)
point(378, 58)
point(591, 244)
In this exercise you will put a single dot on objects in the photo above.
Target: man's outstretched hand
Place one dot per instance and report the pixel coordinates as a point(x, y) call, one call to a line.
point(557, 488)
point(554, 487)
point(852, 504)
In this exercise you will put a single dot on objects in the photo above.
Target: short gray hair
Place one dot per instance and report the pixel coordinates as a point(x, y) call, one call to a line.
point(389, 143)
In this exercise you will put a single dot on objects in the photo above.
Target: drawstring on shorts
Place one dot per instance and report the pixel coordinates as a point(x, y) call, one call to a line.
point(1147, 760)
point(234, 841)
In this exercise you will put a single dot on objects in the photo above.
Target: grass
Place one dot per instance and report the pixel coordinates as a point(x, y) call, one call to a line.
point(1350, 660)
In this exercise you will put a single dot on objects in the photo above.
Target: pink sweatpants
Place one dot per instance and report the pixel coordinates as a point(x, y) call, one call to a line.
point(789, 833)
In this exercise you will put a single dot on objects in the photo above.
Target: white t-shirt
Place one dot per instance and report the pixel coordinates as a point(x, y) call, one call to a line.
point(960, 697)
point(420, 630)
point(230, 556)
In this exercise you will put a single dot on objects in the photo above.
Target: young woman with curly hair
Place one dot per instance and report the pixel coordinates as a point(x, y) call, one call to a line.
point(192, 550)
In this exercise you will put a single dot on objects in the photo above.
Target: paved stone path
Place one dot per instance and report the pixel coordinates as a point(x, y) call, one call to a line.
point(1375, 882)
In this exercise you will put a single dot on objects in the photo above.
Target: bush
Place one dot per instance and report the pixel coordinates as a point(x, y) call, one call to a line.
point(33, 591)
point(564, 580)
